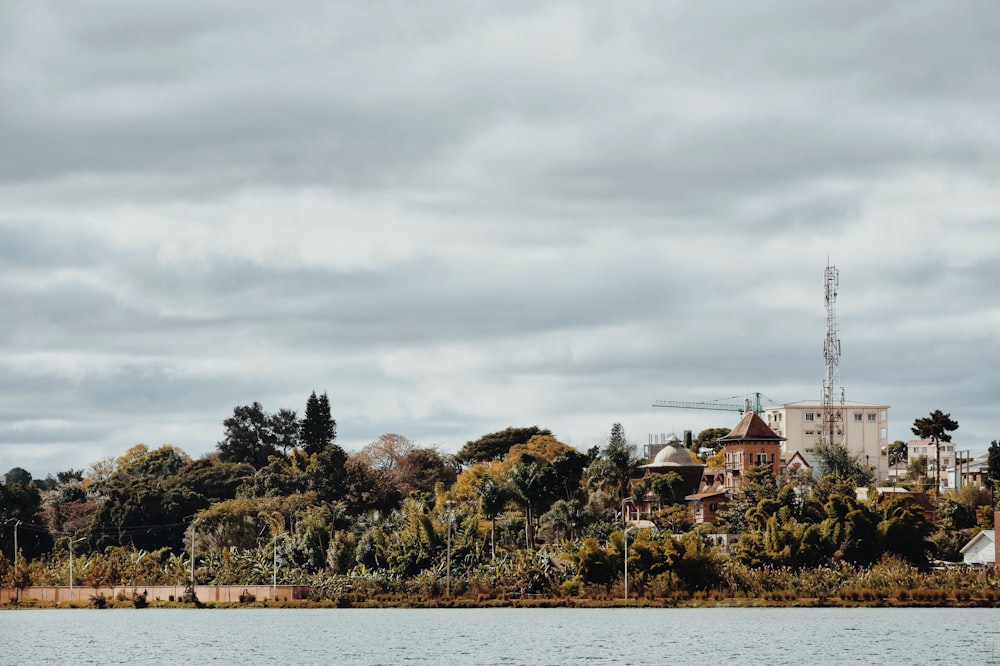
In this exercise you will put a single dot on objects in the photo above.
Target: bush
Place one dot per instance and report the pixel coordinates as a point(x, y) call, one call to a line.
point(571, 588)
point(99, 601)
point(247, 598)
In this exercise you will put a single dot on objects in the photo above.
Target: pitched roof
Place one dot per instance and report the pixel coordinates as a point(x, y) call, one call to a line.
point(989, 535)
point(705, 495)
point(788, 456)
point(751, 428)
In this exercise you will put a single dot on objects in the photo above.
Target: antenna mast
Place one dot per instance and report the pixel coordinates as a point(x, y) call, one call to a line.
point(833, 412)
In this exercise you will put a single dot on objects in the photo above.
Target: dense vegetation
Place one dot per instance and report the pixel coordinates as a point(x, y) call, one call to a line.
point(514, 514)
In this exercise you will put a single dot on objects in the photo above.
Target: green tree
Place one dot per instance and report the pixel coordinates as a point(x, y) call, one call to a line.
point(317, 430)
point(699, 566)
point(850, 530)
point(526, 484)
point(758, 484)
point(617, 465)
point(159, 463)
point(993, 464)
point(20, 505)
point(834, 459)
point(495, 446)
point(280, 477)
point(673, 519)
point(147, 500)
point(936, 428)
point(709, 439)
point(916, 473)
point(563, 518)
point(327, 474)
point(666, 488)
point(904, 530)
point(898, 452)
point(250, 436)
point(568, 469)
point(594, 563)
point(285, 429)
point(18, 475)
point(774, 537)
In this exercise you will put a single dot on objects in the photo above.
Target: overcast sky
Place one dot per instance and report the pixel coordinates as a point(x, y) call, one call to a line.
point(455, 217)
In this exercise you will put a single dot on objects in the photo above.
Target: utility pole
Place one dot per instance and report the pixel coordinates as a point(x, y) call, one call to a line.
point(625, 539)
point(17, 523)
point(451, 516)
point(193, 523)
point(71, 542)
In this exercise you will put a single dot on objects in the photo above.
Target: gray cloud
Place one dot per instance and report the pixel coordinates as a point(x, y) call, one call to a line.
point(460, 217)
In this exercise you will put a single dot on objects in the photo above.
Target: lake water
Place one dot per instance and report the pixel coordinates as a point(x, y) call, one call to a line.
point(501, 636)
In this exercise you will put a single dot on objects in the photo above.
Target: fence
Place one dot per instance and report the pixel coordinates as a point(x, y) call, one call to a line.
point(205, 593)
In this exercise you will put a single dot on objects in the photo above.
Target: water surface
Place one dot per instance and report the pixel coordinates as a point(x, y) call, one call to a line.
point(556, 636)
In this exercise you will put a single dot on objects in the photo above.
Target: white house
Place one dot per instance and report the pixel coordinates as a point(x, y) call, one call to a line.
point(973, 472)
point(981, 549)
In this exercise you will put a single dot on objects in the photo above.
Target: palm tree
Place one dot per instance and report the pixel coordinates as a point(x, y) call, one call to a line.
point(563, 517)
point(526, 485)
point(492, 499)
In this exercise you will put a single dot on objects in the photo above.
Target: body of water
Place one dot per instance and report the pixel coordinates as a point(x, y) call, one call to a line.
point(501, 636)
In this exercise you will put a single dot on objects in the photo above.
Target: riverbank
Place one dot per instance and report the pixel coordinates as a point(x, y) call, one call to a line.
point(919, 598)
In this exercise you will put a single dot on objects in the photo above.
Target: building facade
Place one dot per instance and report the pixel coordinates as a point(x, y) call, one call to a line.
point(749, 444)
point(866, 431)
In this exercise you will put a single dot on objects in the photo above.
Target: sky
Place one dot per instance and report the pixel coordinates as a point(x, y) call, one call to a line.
point(456, 217)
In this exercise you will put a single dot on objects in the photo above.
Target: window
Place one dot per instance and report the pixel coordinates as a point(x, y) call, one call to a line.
point(713, 507)
point(762, 459)
point(857, 416)
point(871, 417)
point(810, 416)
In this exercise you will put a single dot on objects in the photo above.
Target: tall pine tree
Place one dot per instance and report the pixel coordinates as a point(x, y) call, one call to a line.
point(317, 428)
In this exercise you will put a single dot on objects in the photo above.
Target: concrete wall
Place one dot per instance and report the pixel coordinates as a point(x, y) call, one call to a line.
point(996, 542)
point(206, 593)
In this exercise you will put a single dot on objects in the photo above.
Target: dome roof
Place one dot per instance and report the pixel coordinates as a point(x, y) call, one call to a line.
point(673, 455)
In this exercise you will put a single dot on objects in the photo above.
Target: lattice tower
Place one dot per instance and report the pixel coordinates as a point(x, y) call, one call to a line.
point(833, 404)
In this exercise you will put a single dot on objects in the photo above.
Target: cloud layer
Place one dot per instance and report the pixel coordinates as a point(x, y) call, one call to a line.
point(463, 216)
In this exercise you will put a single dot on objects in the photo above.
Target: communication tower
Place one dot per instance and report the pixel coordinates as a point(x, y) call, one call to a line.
point(833, 404)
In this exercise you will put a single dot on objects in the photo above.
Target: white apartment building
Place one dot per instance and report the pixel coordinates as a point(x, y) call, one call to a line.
point(866, 431)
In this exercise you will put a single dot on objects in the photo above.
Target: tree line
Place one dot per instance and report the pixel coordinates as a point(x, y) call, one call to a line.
point(513, 512)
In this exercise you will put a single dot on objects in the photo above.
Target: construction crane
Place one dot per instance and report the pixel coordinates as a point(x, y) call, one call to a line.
point(715, 406)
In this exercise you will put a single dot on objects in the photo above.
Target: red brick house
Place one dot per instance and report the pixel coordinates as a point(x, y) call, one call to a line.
point(749, 444)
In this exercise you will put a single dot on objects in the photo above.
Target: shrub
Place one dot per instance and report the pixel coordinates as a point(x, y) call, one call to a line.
point(571, 588)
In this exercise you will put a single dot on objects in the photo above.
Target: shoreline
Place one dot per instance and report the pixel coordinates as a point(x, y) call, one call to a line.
point(525, 603)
